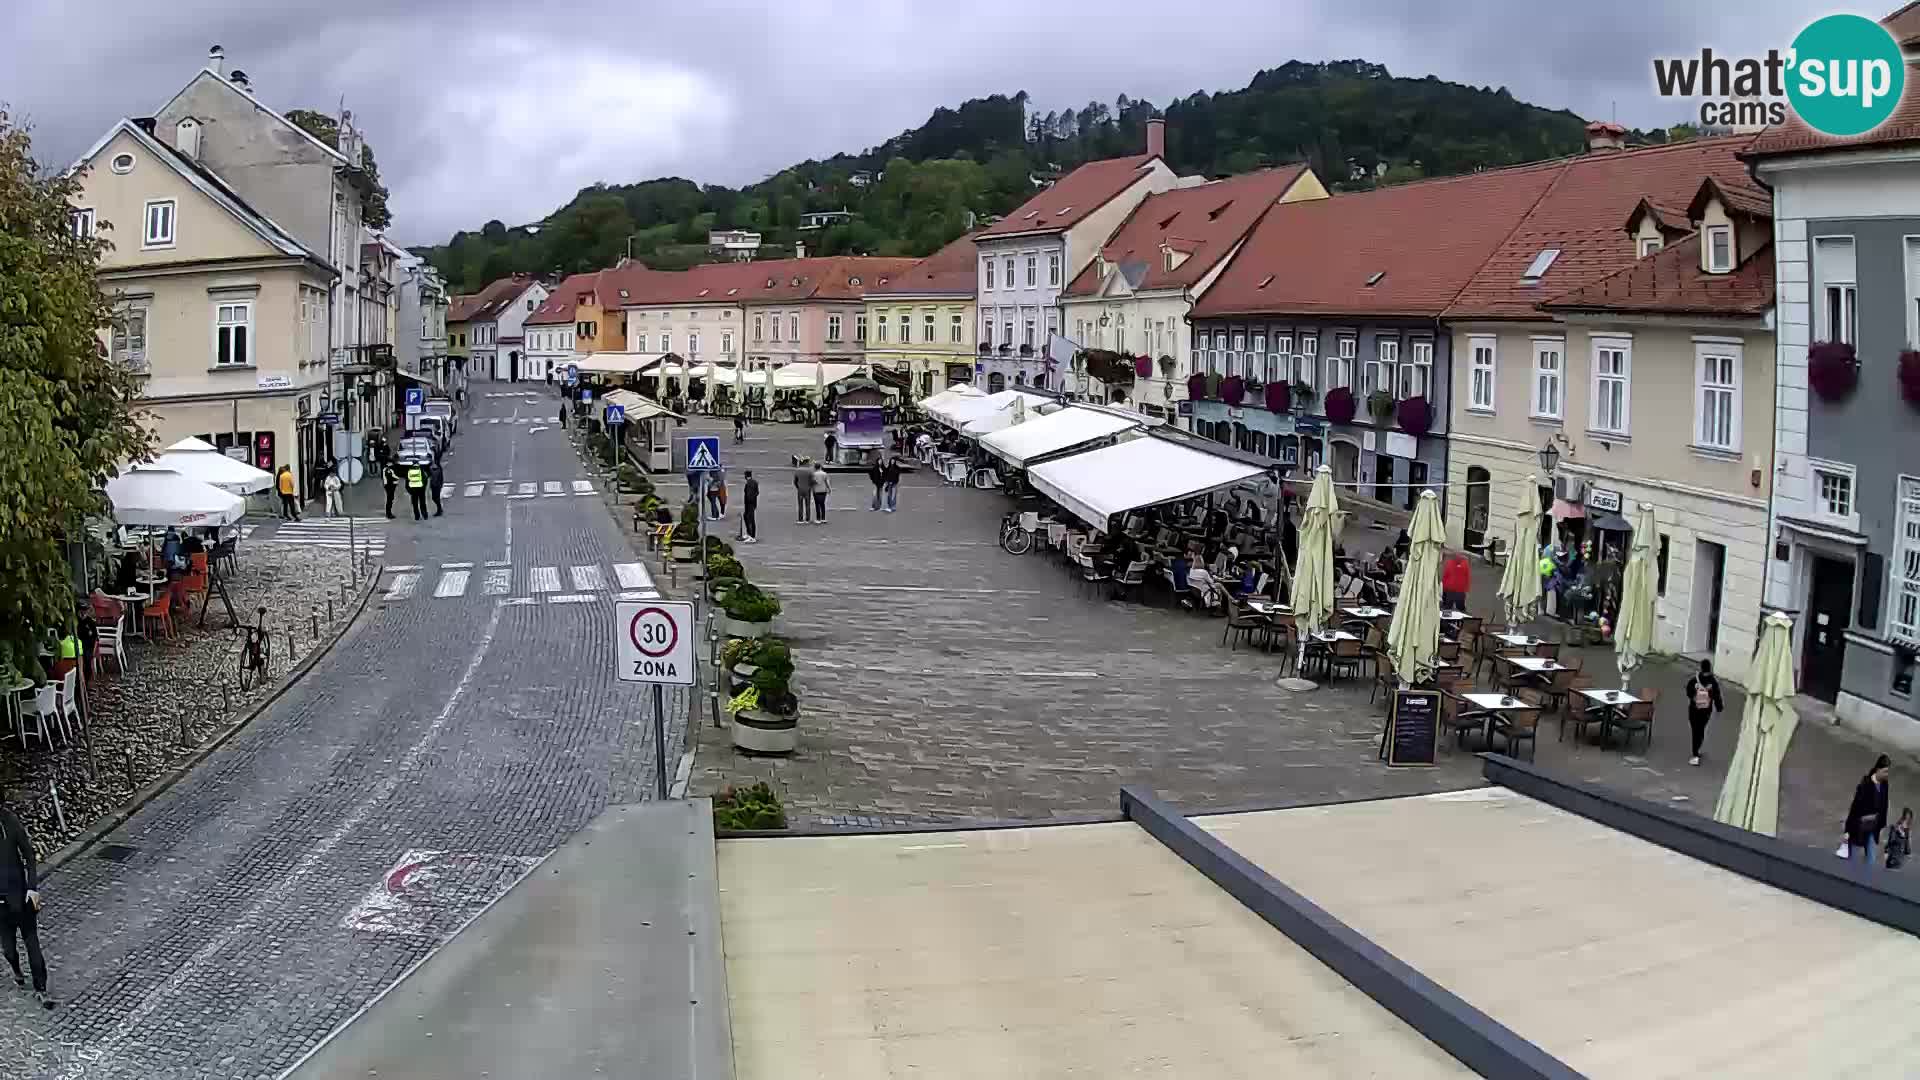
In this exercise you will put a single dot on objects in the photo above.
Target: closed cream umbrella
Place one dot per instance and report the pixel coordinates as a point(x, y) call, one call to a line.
point(1633, 631)
point(1750, 795)
point(1413, 638)
point(1520, 581)
point(1312, 596)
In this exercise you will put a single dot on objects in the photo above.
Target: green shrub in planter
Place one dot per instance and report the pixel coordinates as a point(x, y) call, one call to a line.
point(722, 565)
point(776, 696)
point(754, 807)
point(747, 602)
point(771, 654)
point(633, 479)
point(687, 531)
point(717, 546)
point(597, 445)
point(736, 650)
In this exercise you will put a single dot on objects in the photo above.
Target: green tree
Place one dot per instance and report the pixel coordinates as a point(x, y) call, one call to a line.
point(66, 408)
point(373, 199)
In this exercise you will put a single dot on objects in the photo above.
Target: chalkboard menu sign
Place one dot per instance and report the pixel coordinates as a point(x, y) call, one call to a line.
point(1413, 728)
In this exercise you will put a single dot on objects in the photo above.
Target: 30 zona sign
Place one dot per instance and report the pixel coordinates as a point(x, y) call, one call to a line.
point(656, 641)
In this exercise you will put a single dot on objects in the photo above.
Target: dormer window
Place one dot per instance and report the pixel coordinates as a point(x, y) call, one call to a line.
point(1649, 245)
point(1719, 245)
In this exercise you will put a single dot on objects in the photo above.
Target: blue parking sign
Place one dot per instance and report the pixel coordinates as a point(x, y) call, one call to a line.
point(703, 452)
point(416, 399)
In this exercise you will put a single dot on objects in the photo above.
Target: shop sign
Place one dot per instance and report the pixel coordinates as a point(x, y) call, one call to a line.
point(1604, 499)
point(274, 382)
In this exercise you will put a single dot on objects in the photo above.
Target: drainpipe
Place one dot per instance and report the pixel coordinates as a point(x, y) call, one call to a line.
point(1773, 460)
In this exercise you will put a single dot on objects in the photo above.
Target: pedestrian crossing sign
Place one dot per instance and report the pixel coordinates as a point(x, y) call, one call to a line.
point(703, 452)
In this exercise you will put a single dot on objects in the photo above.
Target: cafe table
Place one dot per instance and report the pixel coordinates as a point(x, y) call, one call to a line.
point(1518, 641)
point(1614, 705)
point(1368, 613)
point(15, 706)
point(1492, 705)
point(1454, 616)
point(133, 604)
point(1269, 607)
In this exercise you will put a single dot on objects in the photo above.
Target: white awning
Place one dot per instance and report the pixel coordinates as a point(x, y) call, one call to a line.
point(956, 392)
point(636, 406)
point(161, 497)
point(216, 469)
point(807, 374)
point(191, 443)
point(1052, 434)
point(958, 414)
point(614, 363)
point(1140, 472)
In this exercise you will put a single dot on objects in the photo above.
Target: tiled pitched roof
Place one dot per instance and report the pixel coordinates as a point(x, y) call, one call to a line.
point(561, 304)
point(1670, 282)
point(1904, 25)
point(1581, 215)
point(488, 302)
point(1072, 198)
point(1204, 221)
point(1425, 239)
point(840, 277)
point(460, 308)
point(951, 271)
point(1901, 126)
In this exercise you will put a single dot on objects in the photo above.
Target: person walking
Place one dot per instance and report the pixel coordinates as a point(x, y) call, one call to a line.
point(1867, 814)
point(288, 511)
point(1703, 700)
point(749, 501)
point(821, 487)
point(438, 479)
point(739, 427)
point(890, 476)
point(20, 903)
point(390, 476)
point(717, 494)
point(831, 442)
point(877, 474)
point(332, 484)
point(417, 490)
point(563, 416)
point(803, 489)
point(1456, 577)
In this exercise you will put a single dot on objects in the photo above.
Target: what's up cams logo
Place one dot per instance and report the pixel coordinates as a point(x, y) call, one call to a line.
point(1843, 76)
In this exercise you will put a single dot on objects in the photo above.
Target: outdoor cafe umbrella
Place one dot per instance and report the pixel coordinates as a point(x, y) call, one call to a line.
point(1313, 578)
point(213, 468)
point(1520, 581)
point(1413, 638)
point(1633, 631)
point(1750, 795)
point(161, 498)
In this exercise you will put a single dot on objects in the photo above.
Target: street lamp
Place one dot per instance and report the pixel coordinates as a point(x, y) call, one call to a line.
point(1549, 456)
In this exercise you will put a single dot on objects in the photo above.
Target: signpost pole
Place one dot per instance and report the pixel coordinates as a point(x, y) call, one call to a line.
point(659, 742)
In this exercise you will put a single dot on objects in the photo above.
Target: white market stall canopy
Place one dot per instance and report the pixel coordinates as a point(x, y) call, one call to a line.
point(159, 498)
point(807, 374)
point(1127, 476)
point(1052, 434)
point(215, 469)
point(614, 363)
point(957, 392)
point(958, 414)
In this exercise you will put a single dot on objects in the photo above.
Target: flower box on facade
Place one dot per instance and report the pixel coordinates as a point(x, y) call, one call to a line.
point(1233, 390)
point(1380, 406)
point(1196, 387)
point(1415, 416)
point(1833, 369)
point(1340, 405)
point(1279, 397)
point(1909, 377)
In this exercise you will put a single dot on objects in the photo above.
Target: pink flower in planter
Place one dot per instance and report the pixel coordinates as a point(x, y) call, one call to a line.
point(1233, 389)
point(1279, 397)
point(1909, 376)
point(1415, 416)
point(1143, 366)
point(1340, 405)
point(1833, 369)
point(1197, 387)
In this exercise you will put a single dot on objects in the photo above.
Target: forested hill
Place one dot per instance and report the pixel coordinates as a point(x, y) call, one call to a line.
point(1353, 121)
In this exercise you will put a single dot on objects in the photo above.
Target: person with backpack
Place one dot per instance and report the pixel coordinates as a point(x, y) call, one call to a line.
point(417, 490)
point(1703, 700)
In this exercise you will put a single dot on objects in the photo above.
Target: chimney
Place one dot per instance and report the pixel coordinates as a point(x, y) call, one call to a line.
point(1156, 138)
point(186, 137)
point(239, 79)
point(216, 60)
point(1603, 135)
point(799, 249)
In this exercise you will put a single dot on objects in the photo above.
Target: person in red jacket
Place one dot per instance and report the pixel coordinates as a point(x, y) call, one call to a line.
point(1455, 577)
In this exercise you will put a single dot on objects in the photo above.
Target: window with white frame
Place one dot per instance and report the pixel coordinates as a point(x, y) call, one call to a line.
point(793, 326)
point(159, 231)
point(906, 327)
point(1033, 271)
point(860, 328)
point(1717, 396)
point(989, 271)
point(776, 326)
point(1006, 267)
point(726, 343)
point(1482, 369)
point(1346, 351)
point(1612, 385)
point(759, 329)
point(693, 343)
point(1831, 484)
point(1280, 360)
point(1913, 291)
point(1027, 339)
point(1833, 268)
point(130, 339)
point(1053, 269)
point(1719, 248)
point(666, 342)
point(1306, 362)
point(1649, 245)
point(1006, 336)
point(1053, 323)
point(1416, 376)
point(880, 328)
point(1549, 364)
point(927, 329)
point(82, 221)
point(1903, 607)
point(833, 327)
point(1380, 368)
point(233, 333)
point(1220, 361)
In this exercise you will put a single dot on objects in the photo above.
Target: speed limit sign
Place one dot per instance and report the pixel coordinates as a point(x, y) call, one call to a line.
point(656, 641)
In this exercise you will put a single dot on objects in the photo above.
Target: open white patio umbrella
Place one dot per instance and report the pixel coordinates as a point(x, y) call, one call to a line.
point(1750, 795)
point(1520, 580)
point(215, 469)
point(1633, 632)
point(191, 443)
point(1313, 579)
point(1413, 638)
point(162, 498)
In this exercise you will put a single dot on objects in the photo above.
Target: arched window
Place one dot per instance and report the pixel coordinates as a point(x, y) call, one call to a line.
point(996, 382)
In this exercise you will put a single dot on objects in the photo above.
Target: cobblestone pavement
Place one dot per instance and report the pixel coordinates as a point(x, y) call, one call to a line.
point(416, 770)
point(944, 680)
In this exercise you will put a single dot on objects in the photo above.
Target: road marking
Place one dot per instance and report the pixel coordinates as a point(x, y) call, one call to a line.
point(583, 487)
point(446, 491)
point(402, 587)
point(400, 569)
point(633, 575)
point(587, 579)
point(639, 594)
point(538, 427)
point(553, 489)
point(476, 489)
point(498, 583)
point(571, 598)
point(456, 566)
point(528, 487)
point(500, 486)
point(452, 583)
point(519, 601)
point(498, 562)
point(546, 579)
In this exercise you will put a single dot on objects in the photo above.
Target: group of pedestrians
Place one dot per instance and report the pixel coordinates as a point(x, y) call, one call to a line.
point(811, 487)
point(420, 480)
point(886, 481)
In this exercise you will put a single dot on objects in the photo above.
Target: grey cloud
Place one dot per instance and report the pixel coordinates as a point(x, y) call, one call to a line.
point(485, 108)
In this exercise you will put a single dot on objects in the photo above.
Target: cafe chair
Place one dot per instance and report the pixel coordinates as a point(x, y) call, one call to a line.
point(110, 640)
point(1284, 639)
point(1091, 574)
point(1242, 623)
point(1346, 656)
point(158, 614)
point(1547, 650)
point(1515, 726)
point(1130, 580)
point(1639, 718)
point(1457, 717)
point(66, 704)
point(1384, 677)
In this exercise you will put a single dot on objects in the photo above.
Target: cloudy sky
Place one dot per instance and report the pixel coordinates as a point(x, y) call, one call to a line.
point(486, 108)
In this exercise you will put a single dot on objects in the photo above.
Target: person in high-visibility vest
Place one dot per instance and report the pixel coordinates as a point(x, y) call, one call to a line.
point(417, 489)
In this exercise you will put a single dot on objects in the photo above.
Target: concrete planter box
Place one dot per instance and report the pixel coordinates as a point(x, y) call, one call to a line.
point(759, 732)
point(737, 628)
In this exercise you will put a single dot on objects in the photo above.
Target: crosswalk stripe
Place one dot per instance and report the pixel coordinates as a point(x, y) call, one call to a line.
point(446, 491)
point(633, 575)
point(500, 487)
point(452, 583)
point(456, 566)
point(527, 487)
point(551, 487)
point(402, 587)
point(587, 579)
point(571, 598)
point(498, 583)
point(583, 487)
point(639, 594)
point(546, 579)
point(476, 489)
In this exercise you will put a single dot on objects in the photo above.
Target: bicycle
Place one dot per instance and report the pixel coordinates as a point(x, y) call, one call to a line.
point(1016, 534)
point(256, 654)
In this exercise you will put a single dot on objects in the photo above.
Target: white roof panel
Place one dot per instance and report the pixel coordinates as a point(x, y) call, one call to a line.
point(1063, 430)
point(1140, 472)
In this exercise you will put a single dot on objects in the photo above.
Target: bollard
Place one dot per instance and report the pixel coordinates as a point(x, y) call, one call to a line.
point(313, 622)
point(226, 698)
point(130, 784)
point(59, 815)
point(186, 737)
point(329, 609)
point(292, 656)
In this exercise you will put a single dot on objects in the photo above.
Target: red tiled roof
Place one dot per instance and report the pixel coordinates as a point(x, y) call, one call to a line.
point(460, 308)
point(1581, 215)
point(560, 305)
point(1072, 198)
point(1426, 238)
point(1670, 282)
point(1901, 126)
point(488, 302)
point(951, 271)
point(839, 277)
point(1204, 221)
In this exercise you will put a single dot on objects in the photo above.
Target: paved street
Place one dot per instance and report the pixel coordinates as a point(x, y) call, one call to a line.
point(450, 738)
